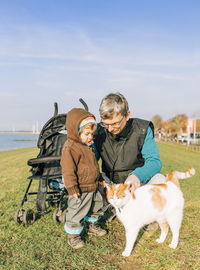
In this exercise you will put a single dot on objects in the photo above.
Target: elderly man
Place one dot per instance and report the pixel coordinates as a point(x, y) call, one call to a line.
point(126, 145)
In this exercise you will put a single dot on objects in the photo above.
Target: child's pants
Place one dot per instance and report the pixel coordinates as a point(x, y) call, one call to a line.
point(87, 207)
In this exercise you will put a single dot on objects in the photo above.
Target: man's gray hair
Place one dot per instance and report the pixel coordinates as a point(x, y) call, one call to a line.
point(113, 104)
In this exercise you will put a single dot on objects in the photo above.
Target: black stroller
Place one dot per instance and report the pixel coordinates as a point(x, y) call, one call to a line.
point(46, 170)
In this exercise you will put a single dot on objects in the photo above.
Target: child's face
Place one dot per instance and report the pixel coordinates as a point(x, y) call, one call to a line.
point(87, 135)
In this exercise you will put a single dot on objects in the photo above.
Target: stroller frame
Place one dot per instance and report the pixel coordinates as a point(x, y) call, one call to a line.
point(46, 167)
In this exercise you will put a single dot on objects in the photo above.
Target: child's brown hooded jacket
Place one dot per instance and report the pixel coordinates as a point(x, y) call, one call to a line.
point(80, 169)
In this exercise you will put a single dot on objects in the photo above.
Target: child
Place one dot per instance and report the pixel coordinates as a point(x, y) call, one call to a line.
point(81, 177)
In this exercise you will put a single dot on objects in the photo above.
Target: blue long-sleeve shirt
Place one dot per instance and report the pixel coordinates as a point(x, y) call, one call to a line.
point(152, 162)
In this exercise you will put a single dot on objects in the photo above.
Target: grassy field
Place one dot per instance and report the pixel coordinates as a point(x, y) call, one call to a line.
point(43, 245)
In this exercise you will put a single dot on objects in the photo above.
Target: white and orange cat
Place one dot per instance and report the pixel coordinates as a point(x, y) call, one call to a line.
point(157, 202)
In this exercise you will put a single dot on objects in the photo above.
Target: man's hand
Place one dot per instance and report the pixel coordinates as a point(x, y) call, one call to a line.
point(76, 195)
point(133, 182)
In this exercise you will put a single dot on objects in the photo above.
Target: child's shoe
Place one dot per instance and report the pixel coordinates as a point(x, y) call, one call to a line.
point(95, 229)
point(75, 241)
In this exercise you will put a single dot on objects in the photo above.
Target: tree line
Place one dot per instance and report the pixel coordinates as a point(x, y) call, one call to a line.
point(175, 125)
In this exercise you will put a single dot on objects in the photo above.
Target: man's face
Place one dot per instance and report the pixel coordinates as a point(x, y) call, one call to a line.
point(116, 123)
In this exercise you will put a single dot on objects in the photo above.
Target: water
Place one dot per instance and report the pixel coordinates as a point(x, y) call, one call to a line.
point(9, 141)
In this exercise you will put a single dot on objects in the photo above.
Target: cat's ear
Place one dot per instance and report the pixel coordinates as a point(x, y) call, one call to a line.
point(107, 186)
point(127, 185)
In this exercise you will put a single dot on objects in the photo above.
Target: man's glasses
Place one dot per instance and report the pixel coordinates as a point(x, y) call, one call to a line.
point(113, 125)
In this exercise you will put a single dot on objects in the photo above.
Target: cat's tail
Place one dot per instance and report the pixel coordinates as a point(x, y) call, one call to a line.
point(174, 176)
point(183, 175)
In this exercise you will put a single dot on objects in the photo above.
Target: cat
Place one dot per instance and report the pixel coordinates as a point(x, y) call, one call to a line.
point(163, 203)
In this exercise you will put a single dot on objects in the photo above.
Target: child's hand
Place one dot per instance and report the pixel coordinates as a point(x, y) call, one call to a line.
point(76, 195)
point(102, 183)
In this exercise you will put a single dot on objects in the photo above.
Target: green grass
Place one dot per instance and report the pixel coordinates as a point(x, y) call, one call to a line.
point(43, 245)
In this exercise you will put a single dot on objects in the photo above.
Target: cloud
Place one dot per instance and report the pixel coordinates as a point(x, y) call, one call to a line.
point(72, 48)
point(39, 42)
point(65, 62)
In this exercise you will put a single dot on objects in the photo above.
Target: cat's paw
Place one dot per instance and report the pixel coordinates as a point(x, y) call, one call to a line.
point(159, 240)
point(126, 253)
point(173, 245)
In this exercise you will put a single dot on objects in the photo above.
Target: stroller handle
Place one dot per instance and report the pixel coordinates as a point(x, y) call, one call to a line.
point(55, 108)
point(84, 104)
point(35, 161)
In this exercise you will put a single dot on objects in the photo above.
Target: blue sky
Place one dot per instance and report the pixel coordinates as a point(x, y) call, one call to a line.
point(61, 50)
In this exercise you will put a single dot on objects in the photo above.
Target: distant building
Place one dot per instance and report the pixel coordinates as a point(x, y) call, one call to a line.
point(188, 134)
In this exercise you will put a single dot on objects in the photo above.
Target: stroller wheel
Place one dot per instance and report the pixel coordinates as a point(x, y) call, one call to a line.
point(28, 217)
point(57, 216)
point(50, 201)
point(18, 217)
